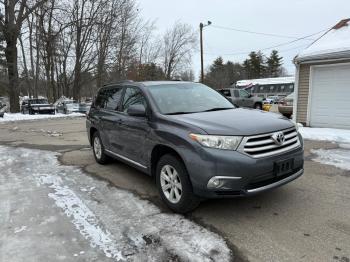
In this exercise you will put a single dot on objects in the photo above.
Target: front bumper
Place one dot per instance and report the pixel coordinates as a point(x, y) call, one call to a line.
point(240, 174)
point(43, 110)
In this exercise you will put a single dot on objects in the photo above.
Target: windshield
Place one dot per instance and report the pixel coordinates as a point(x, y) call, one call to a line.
point(184, 98)
point(38, 101)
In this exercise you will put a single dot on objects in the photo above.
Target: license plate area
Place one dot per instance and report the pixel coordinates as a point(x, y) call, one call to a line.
point(283, 167)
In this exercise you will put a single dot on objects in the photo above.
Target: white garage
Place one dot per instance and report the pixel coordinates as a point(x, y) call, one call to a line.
point(322, 89)
point(329, 99)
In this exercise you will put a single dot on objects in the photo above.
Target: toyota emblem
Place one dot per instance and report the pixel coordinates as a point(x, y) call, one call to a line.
point(278, 138)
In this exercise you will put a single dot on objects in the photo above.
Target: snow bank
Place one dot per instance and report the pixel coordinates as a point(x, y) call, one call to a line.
point(116, 222)
point(325, 134)
point(336, 157)
point(11, 117)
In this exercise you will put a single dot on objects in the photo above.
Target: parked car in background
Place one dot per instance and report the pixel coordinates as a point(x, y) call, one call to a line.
point(272, 99)
point(2, 109)
point(242, 98)
point(71, 106)
point(194, 142)
point(285, 106)
point(37, 106)
point(5, 102)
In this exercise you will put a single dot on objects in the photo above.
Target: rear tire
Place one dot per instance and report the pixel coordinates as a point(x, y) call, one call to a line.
point(174, 184)
point(98, 149)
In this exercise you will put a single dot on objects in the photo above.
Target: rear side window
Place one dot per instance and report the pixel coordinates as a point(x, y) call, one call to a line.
point(133, 96)
point(109, 98)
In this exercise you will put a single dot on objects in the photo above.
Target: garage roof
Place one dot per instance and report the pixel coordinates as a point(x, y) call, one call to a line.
point(334, 44)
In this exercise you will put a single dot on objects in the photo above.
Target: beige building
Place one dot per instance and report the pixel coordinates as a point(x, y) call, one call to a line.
point(322, 88)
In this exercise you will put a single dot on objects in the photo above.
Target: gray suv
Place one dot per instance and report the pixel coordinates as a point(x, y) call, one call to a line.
point(194, 142)
point(242, 98)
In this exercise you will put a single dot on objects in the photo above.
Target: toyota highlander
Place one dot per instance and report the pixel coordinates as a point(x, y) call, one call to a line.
point(193, 140)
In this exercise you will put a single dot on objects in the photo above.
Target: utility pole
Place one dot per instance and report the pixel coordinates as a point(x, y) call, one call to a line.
point(201, 43)
point(201, 26)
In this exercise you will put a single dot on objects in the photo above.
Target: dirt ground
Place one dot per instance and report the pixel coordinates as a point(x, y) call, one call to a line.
point(306, 220)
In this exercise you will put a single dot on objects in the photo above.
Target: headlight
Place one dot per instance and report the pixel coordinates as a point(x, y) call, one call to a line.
point(296, 126)
point(219, 142)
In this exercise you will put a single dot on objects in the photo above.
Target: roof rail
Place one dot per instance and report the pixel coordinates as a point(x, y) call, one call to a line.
point(118, 82)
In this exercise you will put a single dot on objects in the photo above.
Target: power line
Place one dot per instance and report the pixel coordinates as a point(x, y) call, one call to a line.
point(255, 33)
point(275, 46)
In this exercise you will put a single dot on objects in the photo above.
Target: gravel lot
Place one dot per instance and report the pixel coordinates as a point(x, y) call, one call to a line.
point(307, 220)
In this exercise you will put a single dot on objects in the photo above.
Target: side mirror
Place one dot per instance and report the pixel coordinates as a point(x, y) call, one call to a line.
point(136, 110)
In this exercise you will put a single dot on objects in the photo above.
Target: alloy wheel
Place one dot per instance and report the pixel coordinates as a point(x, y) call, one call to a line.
point(171, 184)
point(97, 147)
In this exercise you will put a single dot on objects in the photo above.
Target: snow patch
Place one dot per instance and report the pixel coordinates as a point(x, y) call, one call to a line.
point(11, 117)
point(116, 221)
point(336, 157)
point(325, 134)
point(20, 229)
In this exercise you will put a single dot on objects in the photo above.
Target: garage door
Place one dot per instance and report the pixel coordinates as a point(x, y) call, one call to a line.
point(330, 97)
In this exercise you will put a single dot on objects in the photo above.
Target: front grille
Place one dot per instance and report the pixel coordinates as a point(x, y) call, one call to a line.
point(264, 146)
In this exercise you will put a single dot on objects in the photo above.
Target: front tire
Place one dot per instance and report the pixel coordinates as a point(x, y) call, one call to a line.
point(174, 185)
point(98, 149)
point(258, 106)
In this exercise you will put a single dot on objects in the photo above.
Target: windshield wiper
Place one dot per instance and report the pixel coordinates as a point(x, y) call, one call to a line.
point(218, 109)
point(180, 113)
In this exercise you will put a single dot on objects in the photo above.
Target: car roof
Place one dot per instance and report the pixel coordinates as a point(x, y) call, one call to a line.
point(143, 83)
point(156, 83)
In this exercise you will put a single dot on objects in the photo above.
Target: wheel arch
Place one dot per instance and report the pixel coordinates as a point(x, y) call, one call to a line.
point(92, 131)
point(157, 152)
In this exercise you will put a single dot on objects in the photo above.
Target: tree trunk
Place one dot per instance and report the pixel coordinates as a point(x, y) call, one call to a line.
point(76, 83)
point(26, 75)
point(11, 59)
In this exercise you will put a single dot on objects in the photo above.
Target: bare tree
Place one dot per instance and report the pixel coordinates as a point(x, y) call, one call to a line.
point(106, 30)
point(178, 45)
point(13, 14)
point(84, 17)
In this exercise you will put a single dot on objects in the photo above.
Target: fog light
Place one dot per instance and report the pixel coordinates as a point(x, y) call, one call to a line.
point(214, 183)
point(219, 181)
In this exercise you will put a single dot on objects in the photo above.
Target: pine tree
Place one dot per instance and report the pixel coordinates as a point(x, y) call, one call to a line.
point(274, 64)
point(255, 65)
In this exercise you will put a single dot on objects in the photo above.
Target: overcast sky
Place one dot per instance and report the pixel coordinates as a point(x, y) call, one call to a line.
point(283, 17)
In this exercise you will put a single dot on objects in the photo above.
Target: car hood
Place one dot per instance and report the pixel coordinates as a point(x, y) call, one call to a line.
point(237, 121)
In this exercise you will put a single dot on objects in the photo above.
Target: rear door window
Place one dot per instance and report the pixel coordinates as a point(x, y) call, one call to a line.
point(113, 98)
point(109, 98)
